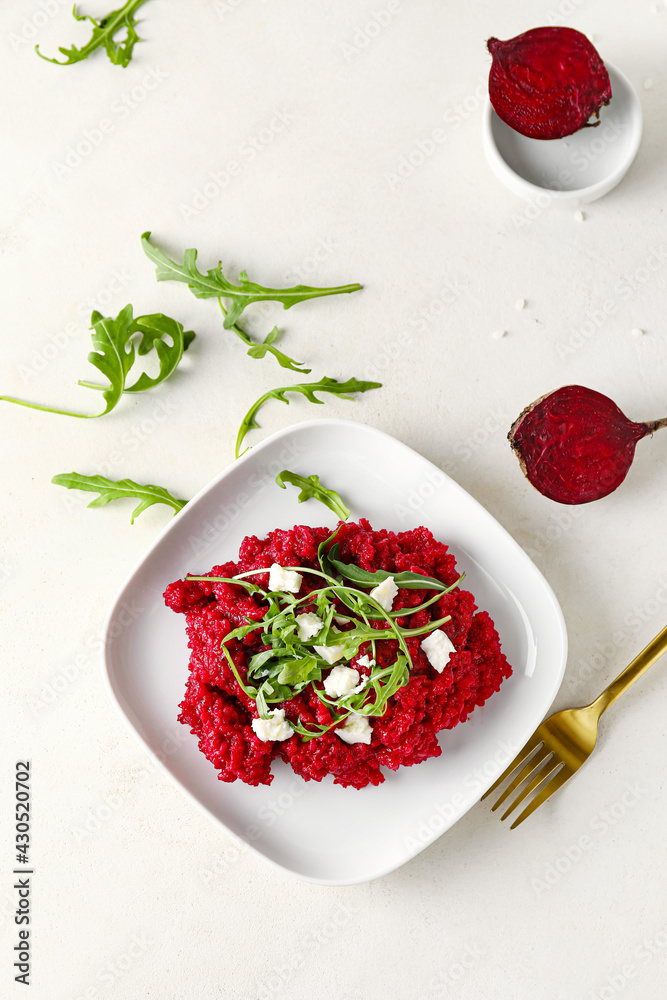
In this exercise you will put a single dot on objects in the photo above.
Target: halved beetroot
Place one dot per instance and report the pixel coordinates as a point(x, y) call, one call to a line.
point(548, 82)
point(575, 445)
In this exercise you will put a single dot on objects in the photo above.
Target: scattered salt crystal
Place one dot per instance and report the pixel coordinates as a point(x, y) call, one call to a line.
point(579, 216)
point(637, 332)
point(499, 334)
point(520, 304)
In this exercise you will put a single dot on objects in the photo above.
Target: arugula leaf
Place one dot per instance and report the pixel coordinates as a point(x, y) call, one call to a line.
point(307, 389)
point(299, 671)
point(112, 338)
point(311, 488)
point(153, 329)
point(110, 489)
point(322, 556)
point(116, 353)
point(290, 664)
point(259, 350)
point(411, 581)
point(103, 35)
point(113, 358)
point(214, 284)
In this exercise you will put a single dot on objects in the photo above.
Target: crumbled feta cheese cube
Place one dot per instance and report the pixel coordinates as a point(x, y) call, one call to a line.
point(438, 648)
point(330, 653)
point(385, 593)
point(309, 625)
point(275, 728)
point(285, 580)
point(341, 681)
point(360, 686)
point(365, 661)
point(355, 729)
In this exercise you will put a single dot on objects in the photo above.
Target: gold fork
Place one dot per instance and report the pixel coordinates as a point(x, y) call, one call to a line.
point(561, 744)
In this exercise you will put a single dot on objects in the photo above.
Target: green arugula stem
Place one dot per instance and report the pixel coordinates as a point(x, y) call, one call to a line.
point(296, 569)
point(259, 350)
point(288, 664)
point(48, 409)
point(116, 351)
point(307, 389)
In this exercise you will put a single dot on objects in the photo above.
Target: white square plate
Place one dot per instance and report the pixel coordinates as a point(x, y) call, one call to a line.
point(320, 832)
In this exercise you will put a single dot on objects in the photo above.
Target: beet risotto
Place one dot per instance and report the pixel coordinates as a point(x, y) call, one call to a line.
point(338, 653)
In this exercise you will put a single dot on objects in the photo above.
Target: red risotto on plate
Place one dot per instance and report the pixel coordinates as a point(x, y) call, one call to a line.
point(339, 653)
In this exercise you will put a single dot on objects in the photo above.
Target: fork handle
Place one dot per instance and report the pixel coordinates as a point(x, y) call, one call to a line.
point(632, 672)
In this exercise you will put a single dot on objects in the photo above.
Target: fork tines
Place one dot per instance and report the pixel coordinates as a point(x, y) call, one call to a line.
point(539, 764)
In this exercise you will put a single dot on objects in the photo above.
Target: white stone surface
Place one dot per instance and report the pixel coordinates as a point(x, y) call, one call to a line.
point(137, 894)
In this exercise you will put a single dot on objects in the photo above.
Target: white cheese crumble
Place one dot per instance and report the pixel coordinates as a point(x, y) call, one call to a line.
point(330, 653)
point(309, 625)
point(355, 729)
point(385, 593)
point(275, 728)
point(284, 579)
point(365, 661)
point(341, 681)
point(438, 648)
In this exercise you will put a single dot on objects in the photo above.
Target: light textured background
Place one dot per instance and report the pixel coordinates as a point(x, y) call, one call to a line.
point(136, 893)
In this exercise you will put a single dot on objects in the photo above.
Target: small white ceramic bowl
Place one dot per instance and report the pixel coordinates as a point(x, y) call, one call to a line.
point(574, 170)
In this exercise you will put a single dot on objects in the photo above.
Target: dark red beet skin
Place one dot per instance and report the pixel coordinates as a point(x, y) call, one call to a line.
point(547, 82)
point(575, 445)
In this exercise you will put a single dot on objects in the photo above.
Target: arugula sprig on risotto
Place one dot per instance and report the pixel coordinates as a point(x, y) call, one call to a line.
point(330, 625)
